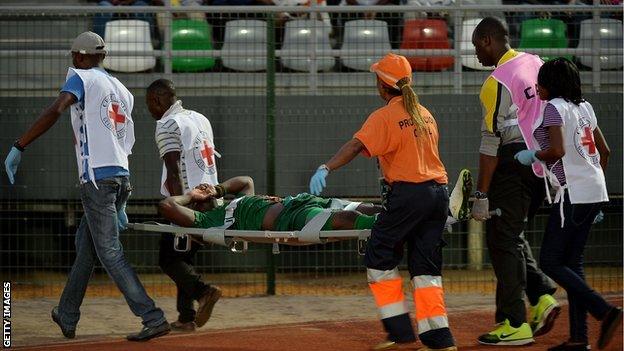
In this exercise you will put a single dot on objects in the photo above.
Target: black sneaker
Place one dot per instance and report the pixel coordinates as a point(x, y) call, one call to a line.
point(610, 323)
point(148, 333)
point(68, 332)
point(568, 346)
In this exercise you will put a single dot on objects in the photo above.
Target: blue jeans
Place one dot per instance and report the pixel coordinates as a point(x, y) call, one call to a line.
point(562, 260)
point(100, 19)
point(97, 238)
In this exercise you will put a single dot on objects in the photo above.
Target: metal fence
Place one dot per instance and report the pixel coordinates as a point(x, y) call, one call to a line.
point(283, 88)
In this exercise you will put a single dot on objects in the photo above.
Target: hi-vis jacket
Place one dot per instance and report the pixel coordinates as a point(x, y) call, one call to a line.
point(198, 148)
point(103, 127)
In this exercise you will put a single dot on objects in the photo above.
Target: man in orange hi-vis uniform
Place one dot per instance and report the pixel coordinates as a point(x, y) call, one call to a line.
point(403, 135)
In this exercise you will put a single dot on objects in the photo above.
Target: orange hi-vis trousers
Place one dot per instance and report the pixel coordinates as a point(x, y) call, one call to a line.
point(387, 289)
point(429, 303)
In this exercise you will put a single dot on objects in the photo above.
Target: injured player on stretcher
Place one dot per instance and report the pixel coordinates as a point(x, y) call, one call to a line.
point(198, 208)
point(248, 211)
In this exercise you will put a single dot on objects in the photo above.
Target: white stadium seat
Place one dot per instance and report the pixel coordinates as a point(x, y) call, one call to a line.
point(297, 36)
point(470, 60)
point(129, 35)
point(361, 35)
point(610, 34)
point(241, 38)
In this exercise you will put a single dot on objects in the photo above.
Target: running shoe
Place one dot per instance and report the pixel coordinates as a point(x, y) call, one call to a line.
point(506, 335)
point(458, 201)
point(543, 315)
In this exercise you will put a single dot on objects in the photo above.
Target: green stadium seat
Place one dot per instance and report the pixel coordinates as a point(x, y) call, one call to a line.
point(191, 35)
point(544, 33)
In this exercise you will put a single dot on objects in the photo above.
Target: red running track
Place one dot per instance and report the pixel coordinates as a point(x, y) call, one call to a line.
point(321, 336)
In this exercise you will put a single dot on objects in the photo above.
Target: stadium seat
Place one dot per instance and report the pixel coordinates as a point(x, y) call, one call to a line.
point(129, 35)
point(242, 37)
point(544, 33)
point(483, 13)
point(191, 35)
point(427, 34)
point(610, 34)
point(365, 35)
point(297, 37)
point(470, 60)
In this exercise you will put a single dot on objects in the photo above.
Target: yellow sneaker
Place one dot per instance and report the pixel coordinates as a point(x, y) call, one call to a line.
point(543, 315)
point(506, 335)
point(458, 201)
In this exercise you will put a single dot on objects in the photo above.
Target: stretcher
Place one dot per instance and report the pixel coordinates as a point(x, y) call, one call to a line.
point(237, 240)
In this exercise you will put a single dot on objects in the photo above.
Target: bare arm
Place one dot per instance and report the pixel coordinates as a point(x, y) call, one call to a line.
point(347, 152)
point(173, 182)
point(556, 149)
point(47, 118)
point(239, 185)
point(487, 166)
point(603, 148)
point(176, 210)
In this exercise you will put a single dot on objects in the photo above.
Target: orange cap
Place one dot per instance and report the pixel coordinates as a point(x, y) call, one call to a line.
point(392, 68)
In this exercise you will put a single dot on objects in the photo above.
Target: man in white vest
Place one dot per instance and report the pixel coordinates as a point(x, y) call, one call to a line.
point(185, 143)
point(103, 131)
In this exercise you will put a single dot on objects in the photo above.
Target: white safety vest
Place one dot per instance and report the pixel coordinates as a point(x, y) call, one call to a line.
point(198, 148)
point(585, 180)
point(104, 125)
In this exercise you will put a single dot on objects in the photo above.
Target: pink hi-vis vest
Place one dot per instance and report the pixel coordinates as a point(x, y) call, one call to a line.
point(519, 76)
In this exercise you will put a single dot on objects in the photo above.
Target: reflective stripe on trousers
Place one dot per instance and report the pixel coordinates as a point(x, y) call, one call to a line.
point(387, 288)
point(429, 303)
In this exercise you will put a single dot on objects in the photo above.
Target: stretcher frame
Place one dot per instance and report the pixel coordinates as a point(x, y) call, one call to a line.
point(237, 240)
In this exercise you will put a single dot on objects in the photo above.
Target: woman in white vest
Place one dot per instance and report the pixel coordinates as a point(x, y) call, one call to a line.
point(186, 146)
point(574, 154)
point(103, 131)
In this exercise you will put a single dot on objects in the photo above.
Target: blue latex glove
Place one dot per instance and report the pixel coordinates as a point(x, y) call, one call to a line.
point(122, 219)
point(317, 182)
point(526, 157)
point(11, 163)
point(599, 217)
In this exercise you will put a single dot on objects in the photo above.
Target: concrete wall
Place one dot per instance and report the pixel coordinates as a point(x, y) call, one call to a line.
point(309, 129)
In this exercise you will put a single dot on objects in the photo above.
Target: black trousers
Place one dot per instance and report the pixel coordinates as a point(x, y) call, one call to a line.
point(413, 215)
point(562, 259)
point(179, 267)
point(518, 193)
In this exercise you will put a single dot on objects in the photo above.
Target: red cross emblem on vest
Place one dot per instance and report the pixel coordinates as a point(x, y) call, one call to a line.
point(207, 153)
point(587, 140)
point(115, 115)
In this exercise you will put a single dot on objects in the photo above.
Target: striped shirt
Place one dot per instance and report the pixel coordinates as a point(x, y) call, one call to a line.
point(169, 139)
point(551, 118)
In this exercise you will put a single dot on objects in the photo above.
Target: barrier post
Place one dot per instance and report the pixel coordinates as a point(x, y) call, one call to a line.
point(475, 245)
point(270, 138)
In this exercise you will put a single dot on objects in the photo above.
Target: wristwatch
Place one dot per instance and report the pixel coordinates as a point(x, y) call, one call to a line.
point(324, 166)
point(480, 195)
